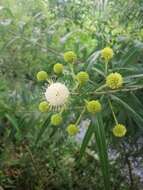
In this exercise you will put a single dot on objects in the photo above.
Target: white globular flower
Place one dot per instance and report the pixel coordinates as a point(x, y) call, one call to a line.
point(57, 94)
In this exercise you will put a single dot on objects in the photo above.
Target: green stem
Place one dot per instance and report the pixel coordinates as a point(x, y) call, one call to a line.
point(75, 87)
point(113, 113)
point(72, 70)
point(130, 89)
point(62, 110)
point(106, 68)
point(100, 88)
point(92, 82)
point(80, 116)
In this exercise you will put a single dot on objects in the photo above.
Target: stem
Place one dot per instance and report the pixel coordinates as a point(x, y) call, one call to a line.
point(72, 70)
point(76, 86)
point(49, 81)
point(80, 116)
point(113, 113)
point(133, 88)
point(62, 110)
point(106, 68)
point(91, 82)
point(130, 173)
point(127, 161)
point(120, 90)
point(100, 88)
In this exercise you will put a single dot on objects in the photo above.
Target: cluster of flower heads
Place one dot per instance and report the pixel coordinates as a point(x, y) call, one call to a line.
point(57, 94)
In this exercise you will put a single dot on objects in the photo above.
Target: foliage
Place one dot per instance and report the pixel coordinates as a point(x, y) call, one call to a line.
point(34, 36)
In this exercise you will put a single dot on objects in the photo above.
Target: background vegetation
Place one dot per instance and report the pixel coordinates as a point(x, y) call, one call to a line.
point(34, 34)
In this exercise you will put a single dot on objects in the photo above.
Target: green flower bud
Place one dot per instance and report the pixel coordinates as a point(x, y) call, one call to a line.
point(82, 77)
point(93, 106)
point(72, 129)
point(56, 119)
point(42, 75)
point(43, 106)
point(70, 56)
point(58, 68)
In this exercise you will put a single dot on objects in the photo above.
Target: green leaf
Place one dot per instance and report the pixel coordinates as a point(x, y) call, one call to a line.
point(102, 149)
point(99, 71)
point(134, 76)
point(43, 128)
point(14, 131)
point(127, 58)
point(135, 115)
point(13, 121)
point(86, 140)
point(92, 59)
point(137, 102)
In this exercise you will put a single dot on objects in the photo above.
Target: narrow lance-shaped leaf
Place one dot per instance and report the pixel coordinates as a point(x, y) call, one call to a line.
point(13, 121)
point(42, 130)
point(87, 137)
point(102, 149)
point(14, 132)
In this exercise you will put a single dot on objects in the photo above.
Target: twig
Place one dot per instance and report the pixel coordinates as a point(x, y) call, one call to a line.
point(120, 90)
point(111, 107)
point(134, 88)
point(130, 172)
point(127, 161)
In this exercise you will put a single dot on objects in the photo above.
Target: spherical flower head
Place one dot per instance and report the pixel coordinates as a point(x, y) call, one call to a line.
point(114, 80)
point(44, 106)
point(57, 94)
point(70, 56)
point(58, 68)
point(82, 77)
point(107, 53)
point(93, 106)
point(56, 119)
point(119, 130)
point(72, 129)
point(42, 75)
